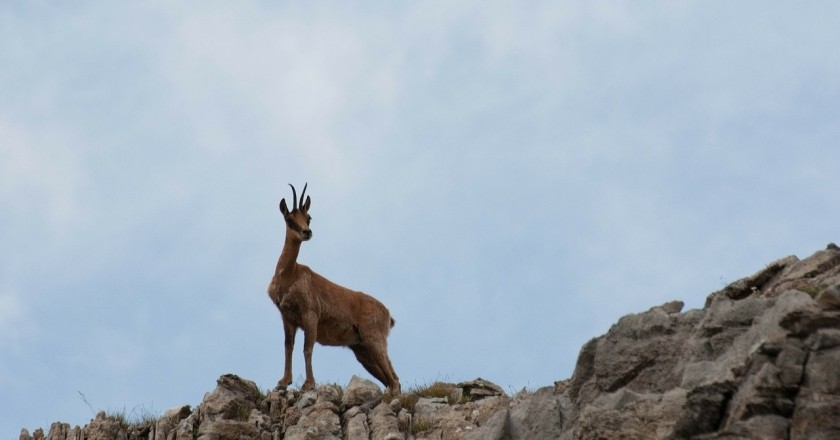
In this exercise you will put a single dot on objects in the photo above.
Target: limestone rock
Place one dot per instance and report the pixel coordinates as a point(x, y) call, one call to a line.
point(102, 427)
point(383, 424)
point(537, 415)
point(228, 430)
point(169, 423)
point(811, 275)
point(479, 389)
point(360, 392)
point(307, 399)
point(753, 363)
point(830, 297)
point(355, 424)
point(187, 428)
point(233, 398)
point(495, 428)
point(329, 393)
point(435, 418)
point(318, 422)
point(60, 431)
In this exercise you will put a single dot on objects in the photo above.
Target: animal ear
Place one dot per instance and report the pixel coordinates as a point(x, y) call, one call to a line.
point(306, 205)
point(283, 208)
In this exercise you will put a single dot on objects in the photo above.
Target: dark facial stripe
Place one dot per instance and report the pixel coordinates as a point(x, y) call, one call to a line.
point(294, 226)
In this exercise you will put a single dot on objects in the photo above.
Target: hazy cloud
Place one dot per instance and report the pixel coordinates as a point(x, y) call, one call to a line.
point(508, 181)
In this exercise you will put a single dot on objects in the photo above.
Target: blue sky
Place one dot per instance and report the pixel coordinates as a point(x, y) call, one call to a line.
point(508, 180)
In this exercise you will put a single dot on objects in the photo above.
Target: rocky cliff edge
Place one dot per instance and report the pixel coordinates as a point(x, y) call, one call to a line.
point(761, 360)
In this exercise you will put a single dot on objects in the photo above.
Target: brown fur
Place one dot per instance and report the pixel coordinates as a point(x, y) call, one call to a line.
point(328, 313)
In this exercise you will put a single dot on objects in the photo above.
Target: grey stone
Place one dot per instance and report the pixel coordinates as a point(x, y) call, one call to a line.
point(816, 420)
point(228, 430)
point(319, 421)
point(355, 424)
point(427, 406)
point(669, 307)
point(769, 426)
point(383, 424)
point(404, 420)
point(479, 389)
point(329, 393)
point(233, 398)
point(496, 427)
point(829, 298)
point(307, 399)
point(536, 416)
point(752, 285)
point(361, 392)
point(823, 339)
point(186, 429)
point(103, 427)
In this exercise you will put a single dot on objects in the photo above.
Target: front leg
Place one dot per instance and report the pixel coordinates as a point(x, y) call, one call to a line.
point(289, 331)
point(310, 334)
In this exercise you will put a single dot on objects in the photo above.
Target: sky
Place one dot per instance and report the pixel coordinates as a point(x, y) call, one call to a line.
point(508, 180)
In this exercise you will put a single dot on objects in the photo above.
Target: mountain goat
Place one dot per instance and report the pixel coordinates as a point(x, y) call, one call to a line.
point(328, 313)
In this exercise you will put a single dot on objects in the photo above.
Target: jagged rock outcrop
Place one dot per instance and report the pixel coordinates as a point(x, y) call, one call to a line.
point(761, 360)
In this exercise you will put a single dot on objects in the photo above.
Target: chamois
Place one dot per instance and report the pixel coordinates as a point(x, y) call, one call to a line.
point(328, 313)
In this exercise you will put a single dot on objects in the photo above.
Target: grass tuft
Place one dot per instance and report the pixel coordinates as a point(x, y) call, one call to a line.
point(437, 389)
point(119, 417)
point(136, 419)
point(421, 425)
point(813, 290)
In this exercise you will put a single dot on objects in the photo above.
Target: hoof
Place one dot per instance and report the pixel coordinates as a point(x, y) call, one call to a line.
point(307, 385)
point(282, 384)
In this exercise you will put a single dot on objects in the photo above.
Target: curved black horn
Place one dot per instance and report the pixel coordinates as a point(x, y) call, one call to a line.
point(302, 194)
point(294, 199)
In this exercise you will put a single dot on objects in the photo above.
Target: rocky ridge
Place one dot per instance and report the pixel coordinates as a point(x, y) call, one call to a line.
point(761, 360)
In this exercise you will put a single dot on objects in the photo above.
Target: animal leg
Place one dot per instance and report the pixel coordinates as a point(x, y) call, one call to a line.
point(363, 355)
point(289, 344)
point(379, 354)
point(310, 334)
point(395, 380)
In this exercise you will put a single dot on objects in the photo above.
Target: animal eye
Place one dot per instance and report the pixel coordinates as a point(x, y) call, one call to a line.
point(309, 220)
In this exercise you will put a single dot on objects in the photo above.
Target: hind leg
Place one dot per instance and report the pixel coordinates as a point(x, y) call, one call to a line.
point(380, 356)
point(374, 357)
point(364, 356)
point(395, 380)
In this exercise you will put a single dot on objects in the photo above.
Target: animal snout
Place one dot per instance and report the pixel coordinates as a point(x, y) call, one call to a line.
point(307, 234)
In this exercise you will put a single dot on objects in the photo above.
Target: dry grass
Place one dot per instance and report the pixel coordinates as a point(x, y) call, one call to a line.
point(438, 389)
point(421, 425)
point(137, 418)
point(812, 290)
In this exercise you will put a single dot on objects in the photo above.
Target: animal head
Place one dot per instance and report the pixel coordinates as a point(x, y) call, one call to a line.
point(297, 220)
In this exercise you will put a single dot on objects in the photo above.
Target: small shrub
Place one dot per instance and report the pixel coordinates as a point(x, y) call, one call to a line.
point(143, 417)
point(135, 419)
point(119, 417)
point(241, 412)
point(421, 425)
point(438, 389)
point(812, 290)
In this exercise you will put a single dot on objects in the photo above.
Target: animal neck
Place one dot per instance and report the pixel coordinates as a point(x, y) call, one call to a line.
point(288, 257)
